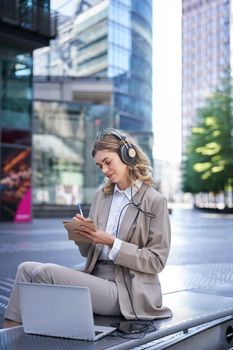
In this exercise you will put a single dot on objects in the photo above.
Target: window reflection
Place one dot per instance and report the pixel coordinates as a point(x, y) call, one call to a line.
point(114, 41)
point(16, 89)
point(62, 139)
point(15, 134)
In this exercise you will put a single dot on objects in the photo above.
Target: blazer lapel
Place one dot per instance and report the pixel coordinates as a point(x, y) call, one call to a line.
point(131, 213)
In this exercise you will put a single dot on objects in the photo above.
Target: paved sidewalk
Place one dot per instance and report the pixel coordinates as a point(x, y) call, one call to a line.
point(201, 253)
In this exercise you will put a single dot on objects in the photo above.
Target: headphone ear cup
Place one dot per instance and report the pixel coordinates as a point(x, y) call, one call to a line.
point(127, 155)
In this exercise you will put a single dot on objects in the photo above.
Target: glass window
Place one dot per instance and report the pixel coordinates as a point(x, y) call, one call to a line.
point(120, 13)
point(119, 35)
point(62, 139)
point(140, 47)
point(15, 127)
point(129, 124)
point(15, 89)
point(138, 108)
point(143, 9)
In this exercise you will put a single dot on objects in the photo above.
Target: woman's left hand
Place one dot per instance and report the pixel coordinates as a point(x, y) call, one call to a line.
point(98, 236)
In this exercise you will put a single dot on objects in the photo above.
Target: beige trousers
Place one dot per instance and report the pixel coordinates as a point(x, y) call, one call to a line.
point(101, 283)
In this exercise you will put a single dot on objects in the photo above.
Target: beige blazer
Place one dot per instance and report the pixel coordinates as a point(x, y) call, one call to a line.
point(143, 253)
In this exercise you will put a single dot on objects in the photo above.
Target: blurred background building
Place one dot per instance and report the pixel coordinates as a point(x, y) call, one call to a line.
point(68, 114)
point(206, 54)
point(97, 73)
point(167, 179)
point(24, 26)
point(109, 39)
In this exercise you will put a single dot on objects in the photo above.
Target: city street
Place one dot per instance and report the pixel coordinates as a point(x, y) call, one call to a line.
point(200, 257)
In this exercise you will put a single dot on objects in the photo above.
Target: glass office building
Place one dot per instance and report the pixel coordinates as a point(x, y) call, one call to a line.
point(24, 26)
point(206, 47)
point(110, 39)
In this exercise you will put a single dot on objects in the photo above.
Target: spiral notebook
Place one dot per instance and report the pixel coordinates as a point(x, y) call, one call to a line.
point(59, 311)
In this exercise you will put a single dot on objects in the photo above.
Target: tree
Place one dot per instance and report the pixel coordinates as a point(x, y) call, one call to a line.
point(208, 166)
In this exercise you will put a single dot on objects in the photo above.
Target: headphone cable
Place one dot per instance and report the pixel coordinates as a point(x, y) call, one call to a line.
point(138, 206)
point(148, 214)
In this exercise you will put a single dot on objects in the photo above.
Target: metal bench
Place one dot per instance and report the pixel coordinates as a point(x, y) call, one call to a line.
point(194, 315)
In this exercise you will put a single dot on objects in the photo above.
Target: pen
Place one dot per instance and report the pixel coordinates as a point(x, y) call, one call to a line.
point(80, 208)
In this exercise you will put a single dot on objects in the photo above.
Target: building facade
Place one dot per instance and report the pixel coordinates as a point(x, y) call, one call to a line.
point(110, 39)
point(206, 54)
point(68, 114)
point(24, 26)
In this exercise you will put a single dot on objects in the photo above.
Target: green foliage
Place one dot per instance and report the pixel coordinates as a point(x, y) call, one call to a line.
point(208, 166)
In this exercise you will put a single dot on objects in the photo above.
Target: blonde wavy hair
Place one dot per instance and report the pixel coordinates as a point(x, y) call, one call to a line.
point(141, 170)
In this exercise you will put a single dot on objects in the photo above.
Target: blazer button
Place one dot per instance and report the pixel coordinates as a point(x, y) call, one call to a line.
point(132, 275)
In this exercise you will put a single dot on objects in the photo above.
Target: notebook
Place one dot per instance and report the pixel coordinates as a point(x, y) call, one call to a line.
point(73, 226)
point(60, 311)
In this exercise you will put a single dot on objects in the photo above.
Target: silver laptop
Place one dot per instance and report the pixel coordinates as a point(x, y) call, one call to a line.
point(60, 311)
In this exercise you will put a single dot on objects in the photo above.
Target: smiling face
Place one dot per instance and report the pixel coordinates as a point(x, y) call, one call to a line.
point(113, 168)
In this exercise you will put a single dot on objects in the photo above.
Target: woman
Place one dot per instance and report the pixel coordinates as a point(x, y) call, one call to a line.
point(128, 249)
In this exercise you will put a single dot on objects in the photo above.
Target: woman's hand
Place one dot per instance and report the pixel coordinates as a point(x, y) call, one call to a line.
point(98, 236)
point(80, 217)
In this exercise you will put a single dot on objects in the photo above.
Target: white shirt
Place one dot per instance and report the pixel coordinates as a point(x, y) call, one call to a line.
point(116, 214)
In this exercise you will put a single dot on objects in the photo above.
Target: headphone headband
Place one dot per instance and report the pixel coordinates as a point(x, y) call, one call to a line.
point(126, 150)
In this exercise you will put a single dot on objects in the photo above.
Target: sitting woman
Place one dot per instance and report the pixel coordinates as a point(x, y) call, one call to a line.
point(129, 247)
